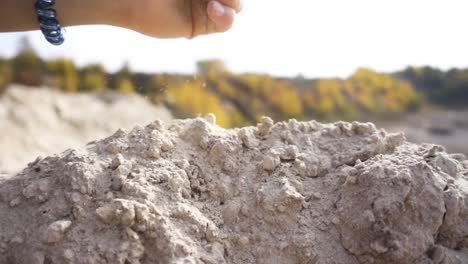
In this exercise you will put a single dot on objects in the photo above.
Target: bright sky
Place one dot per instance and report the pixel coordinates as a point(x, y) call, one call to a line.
point(316, 38)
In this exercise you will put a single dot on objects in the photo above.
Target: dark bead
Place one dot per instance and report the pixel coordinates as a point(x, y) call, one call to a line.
point(52, 33)
point(46, 13)
point(54, 36)
point(44, 4)
point(56, 40)
point(49, 24)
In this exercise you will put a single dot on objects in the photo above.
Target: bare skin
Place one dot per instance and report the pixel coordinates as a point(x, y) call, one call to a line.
point(157, 18)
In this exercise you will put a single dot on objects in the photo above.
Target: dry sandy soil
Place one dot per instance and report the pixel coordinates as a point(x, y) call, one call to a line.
point(41, 122)
point(192, 192)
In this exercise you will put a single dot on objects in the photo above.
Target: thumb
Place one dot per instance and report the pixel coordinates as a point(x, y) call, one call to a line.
point(221, 16)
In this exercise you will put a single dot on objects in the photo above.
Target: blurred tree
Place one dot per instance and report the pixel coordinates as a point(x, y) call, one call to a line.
point(63, 74)
point(6, 73)
point(122, 80)
point(27, 65)
point(93, 78)
point(123, 74)
point(211, 67)
point(278, 98)
point(384, 94)
point(125, 86)
point(448, 88)
point(192, 98)
point(156, 86)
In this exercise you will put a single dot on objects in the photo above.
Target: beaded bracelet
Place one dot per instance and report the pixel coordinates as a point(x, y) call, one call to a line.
point(47, 17)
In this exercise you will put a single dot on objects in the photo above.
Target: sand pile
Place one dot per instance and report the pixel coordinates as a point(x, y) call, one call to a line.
point(191, 192)
point(40, 122)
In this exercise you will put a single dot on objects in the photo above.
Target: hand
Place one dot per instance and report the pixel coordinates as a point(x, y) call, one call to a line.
point(182, 18)
point(157, 18)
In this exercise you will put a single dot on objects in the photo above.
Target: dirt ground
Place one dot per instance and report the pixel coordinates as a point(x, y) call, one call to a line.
point(40, 122)
point(189, 191)
point(444, 127)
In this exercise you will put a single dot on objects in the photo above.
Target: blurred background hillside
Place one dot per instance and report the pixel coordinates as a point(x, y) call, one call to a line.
point(309, 66)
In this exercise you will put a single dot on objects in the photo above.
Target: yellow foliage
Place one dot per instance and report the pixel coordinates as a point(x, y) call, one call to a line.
point(63, 75)
point(381, 93)
point(125, 86)
point(279, 94)
point(192, 97)
point(93, 82)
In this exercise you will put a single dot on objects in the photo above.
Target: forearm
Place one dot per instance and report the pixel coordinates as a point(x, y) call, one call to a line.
point(20, 15)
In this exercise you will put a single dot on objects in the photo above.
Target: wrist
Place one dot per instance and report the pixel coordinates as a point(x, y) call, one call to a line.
point(93, 12)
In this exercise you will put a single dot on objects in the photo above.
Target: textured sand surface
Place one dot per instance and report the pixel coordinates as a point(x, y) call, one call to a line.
point(191, 192)
point(41, 122)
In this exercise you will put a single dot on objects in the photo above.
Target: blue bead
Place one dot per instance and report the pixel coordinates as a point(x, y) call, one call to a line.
point(46, 13)
point(49, 24)
point(43, 4)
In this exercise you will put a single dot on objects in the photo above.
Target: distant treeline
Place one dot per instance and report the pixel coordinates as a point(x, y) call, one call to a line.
point(447, 88)
point(239, 100)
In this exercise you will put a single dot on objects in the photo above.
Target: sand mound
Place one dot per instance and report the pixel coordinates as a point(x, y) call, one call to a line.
point(191, 192)
point(40, 122)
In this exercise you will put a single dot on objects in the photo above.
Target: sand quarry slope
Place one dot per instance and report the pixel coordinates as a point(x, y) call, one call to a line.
point(192, 192)
point(40, 122)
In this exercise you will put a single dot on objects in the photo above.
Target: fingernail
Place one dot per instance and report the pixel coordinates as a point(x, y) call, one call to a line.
point(217, 8)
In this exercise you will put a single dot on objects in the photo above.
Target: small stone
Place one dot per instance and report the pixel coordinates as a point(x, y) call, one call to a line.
point(105, 214)
point(117, 182)
point(379, 248)
point(290, 153)
point(131, 235)
point(316, 195)
point(243, 241)
point(211, 234)
point(351, 179)
point(369, 216)
point(117, 161)
point(270, 163)
point(17, 240)
point(113, 148)
point(167, 146)
point(126, 212)
point(231, 213)
point(335, 220)
point(109, 196)
point(119, 133)
point(68, 254)
point(15, 202)
point(281, 208)
point(247, 137)
point(157, 124)
point(230, 166)
point(154, 153)
point(264, 127)
point(211, 118)
point(56, 230)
